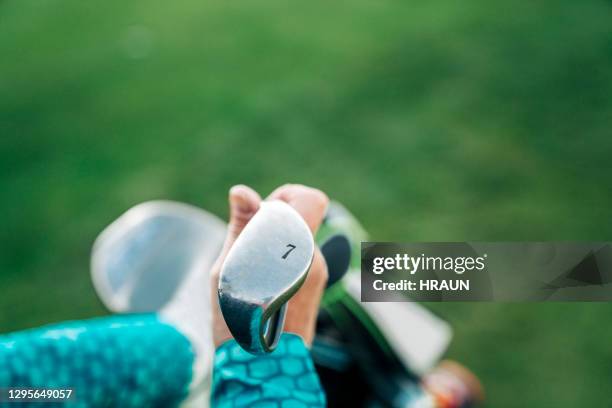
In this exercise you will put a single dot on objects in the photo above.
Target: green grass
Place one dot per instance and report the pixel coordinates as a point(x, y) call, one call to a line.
point(430, 120)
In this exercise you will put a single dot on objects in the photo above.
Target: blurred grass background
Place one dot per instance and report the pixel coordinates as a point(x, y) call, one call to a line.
point(434, 120)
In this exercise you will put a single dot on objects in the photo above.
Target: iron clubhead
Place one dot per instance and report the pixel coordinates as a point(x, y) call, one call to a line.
point(141, 261)
point(265, 267)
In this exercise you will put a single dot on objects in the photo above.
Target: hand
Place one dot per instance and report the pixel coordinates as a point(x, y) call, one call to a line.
point(303, 307)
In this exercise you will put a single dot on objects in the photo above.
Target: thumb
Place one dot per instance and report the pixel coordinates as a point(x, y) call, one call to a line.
point(244, 203)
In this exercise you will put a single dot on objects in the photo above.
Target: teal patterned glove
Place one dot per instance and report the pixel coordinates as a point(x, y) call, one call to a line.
point(119, 361)
point(285, 378)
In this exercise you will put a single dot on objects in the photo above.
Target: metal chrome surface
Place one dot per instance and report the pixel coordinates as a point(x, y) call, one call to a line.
point(266, 265)
point(139, 262)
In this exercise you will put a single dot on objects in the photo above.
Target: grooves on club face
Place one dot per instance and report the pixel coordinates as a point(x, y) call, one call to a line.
point(265, 267)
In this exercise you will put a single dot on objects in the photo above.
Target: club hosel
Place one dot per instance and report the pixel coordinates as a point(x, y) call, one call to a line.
point(256, 327)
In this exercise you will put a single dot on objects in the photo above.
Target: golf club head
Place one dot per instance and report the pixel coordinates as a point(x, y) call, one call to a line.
point(141, 260)
point(265, 267)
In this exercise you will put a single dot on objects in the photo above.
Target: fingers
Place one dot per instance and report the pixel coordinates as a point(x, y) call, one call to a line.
point(303, 307)
point(310, 202)
point(244, 203)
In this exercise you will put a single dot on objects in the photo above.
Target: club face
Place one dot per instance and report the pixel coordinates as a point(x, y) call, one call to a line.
point(266, 265)
point(140, 260)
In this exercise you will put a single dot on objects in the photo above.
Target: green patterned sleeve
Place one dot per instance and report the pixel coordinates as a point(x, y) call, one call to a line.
point(119, 361)
point(285, 378)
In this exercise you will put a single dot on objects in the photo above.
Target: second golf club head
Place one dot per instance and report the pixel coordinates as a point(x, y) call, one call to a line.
point(141, 261)
point(265, 267)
